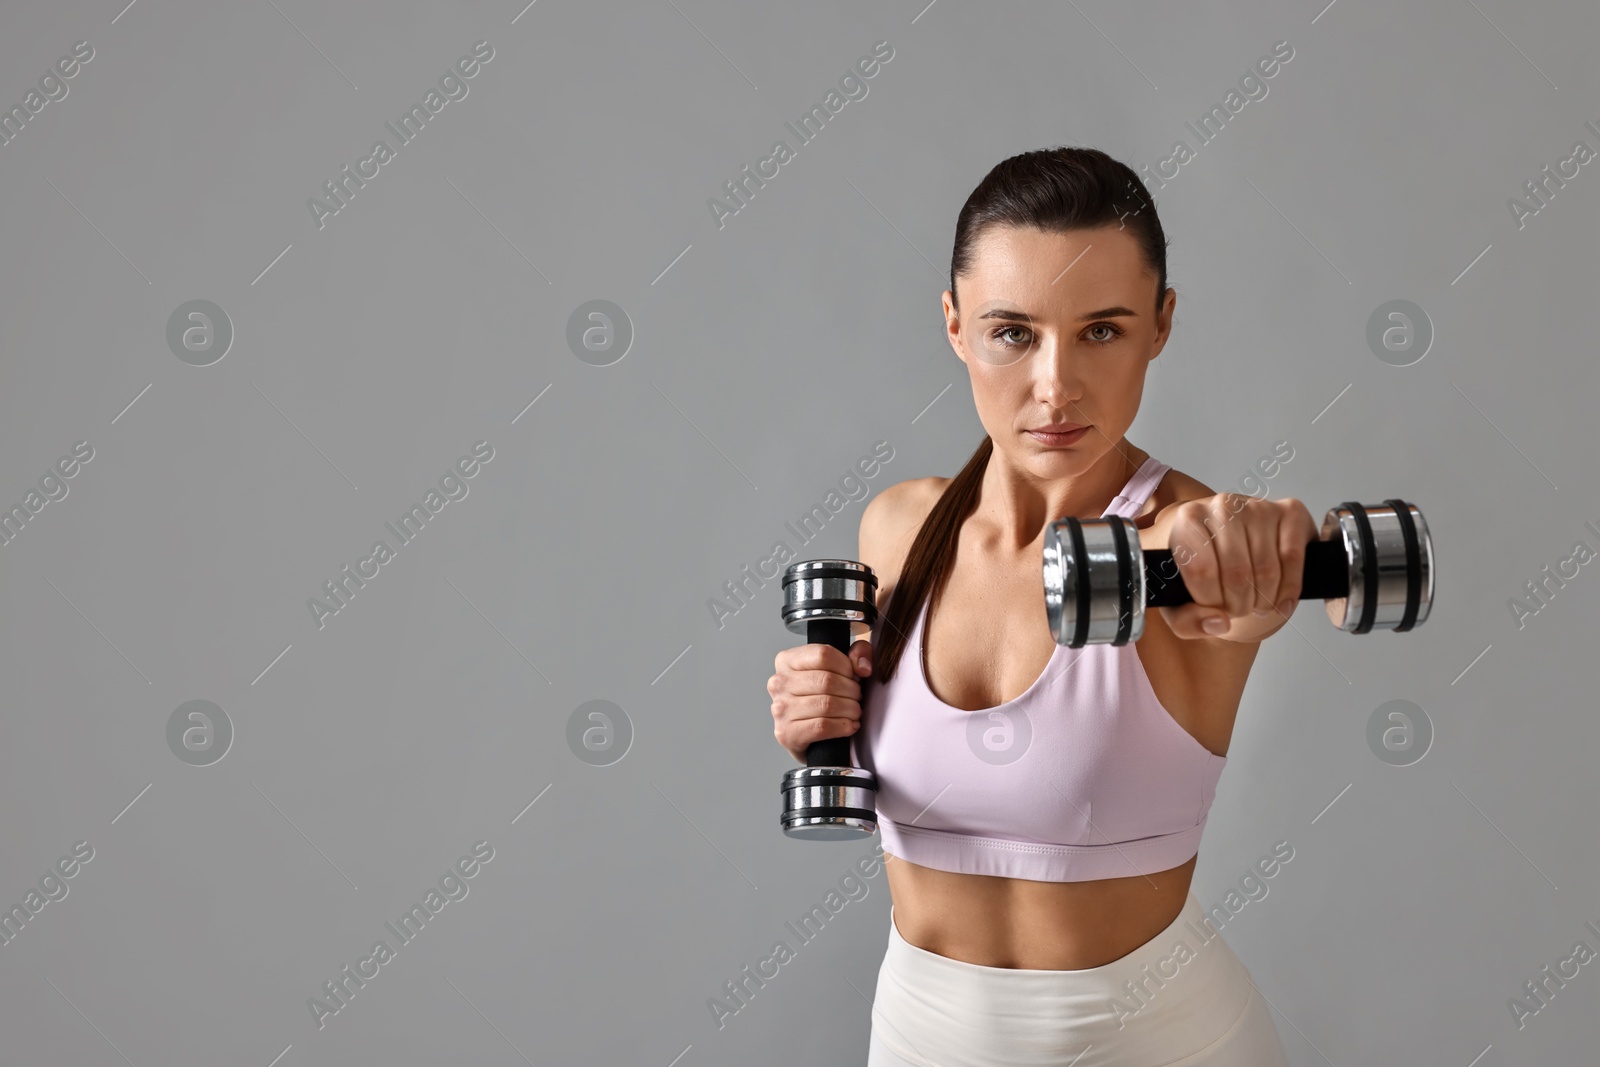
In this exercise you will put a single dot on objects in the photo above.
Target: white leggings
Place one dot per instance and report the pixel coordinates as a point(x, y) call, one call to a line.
point(1182, 999)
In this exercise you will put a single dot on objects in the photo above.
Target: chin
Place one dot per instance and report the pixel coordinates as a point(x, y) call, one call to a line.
point(1058, 462)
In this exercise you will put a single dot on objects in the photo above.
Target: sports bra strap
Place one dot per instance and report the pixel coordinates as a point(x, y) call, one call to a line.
point(1139, 488)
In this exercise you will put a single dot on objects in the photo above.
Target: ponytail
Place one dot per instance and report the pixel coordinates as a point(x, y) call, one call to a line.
point(928, 563)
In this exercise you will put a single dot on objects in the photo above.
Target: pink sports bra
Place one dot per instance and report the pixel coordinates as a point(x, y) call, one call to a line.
point(1083, 776)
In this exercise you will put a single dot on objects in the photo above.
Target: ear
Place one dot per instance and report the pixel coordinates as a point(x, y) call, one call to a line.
point(1164, 322)
point(952, 325)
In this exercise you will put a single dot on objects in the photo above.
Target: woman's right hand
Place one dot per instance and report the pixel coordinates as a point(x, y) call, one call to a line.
point(816, 694)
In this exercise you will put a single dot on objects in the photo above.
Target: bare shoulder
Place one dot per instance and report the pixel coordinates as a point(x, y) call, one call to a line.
point(1175, 487)
point(889, 524)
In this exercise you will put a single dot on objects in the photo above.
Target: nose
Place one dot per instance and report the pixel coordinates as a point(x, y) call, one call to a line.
point(1056, 381)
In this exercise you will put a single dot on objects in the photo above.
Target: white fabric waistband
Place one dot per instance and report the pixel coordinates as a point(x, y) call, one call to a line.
point(1178, 991)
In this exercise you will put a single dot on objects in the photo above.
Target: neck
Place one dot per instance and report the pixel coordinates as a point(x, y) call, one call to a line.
point(1015, 505)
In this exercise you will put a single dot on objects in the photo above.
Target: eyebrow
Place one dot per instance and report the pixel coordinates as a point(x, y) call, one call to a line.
point(1104, 313)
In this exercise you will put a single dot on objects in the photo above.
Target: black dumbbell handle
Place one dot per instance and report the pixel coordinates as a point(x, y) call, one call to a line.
point(1326, 575)
point(830, 751)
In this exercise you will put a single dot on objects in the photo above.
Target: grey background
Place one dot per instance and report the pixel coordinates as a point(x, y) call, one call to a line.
point(768, 357)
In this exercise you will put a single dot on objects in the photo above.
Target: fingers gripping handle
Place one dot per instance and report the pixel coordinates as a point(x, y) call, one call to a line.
point(1372, 567)
point(830, 751)
point(1326, 575)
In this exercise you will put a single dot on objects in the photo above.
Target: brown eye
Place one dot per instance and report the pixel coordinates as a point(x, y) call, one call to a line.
point(1116, 332)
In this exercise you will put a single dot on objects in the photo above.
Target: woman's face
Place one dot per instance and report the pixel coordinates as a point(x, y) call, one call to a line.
point(1057, 328)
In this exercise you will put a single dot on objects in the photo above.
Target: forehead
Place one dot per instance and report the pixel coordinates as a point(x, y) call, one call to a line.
point(1027, 264)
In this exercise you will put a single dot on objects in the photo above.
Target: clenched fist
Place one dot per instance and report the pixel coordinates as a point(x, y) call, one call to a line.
point(1242, 560)
point(816, 694)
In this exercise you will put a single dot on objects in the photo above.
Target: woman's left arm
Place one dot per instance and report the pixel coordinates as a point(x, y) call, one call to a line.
point(1240, 557)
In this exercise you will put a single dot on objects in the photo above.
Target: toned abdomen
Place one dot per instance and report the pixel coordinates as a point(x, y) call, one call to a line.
point(1013, 922)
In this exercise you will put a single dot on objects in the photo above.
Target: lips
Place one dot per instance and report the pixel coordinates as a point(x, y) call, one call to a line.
point(1058, 427)
point(1052, 438)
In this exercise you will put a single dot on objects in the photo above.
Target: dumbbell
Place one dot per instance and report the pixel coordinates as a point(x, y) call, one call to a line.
point(828, 799)
point(1373, 565)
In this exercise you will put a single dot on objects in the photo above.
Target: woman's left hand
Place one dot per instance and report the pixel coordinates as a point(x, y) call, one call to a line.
point(1242, 559)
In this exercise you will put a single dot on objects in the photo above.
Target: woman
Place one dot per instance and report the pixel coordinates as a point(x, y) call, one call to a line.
point(1041, 807)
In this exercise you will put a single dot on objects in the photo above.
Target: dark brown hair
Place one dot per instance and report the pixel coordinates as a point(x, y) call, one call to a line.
point(1055, 190)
